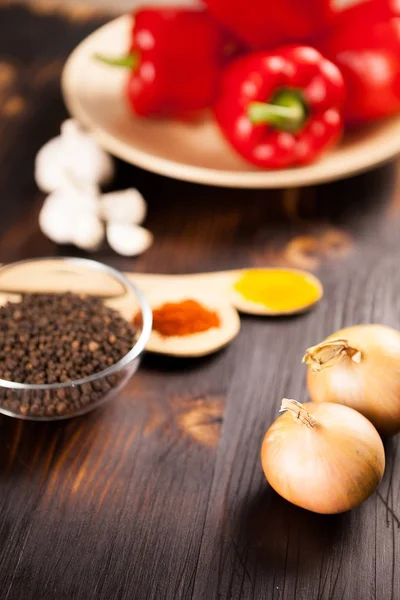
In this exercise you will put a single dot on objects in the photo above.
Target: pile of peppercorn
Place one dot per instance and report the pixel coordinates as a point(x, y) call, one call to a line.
point(50, 339)
point(282, 78)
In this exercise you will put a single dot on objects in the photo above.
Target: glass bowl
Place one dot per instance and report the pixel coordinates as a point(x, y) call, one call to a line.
point(49, 402)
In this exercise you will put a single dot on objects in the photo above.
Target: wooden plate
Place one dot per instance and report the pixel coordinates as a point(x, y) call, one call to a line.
point(193, 152)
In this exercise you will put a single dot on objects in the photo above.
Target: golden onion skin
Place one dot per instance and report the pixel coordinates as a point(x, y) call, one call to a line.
point(372, 386)
point(329, 468)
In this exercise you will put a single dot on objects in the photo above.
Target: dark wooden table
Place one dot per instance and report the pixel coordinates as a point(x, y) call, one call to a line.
point(160, 495)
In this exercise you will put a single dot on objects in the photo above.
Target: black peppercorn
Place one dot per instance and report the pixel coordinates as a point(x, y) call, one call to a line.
point(50, 339)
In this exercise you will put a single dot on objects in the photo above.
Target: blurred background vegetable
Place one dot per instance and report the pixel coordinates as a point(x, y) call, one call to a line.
point(365, 45)
point(175, 58)
point(281, 108)
point(276, 110)
point(262, 24)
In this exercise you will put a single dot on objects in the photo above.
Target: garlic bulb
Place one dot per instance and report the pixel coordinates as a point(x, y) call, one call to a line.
point(128, 240)
point(325, 457)
point(74, 152)
point(72, 167)
point(126, 207)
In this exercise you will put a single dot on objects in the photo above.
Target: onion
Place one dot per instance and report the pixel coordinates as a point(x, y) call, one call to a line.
point(324, 457)
point(360, 367)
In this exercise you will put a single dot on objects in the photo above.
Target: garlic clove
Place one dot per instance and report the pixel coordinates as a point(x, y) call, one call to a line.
point(70, 127)
point(88, 232)
point(49, 172)
point(81, 196)
point(56, 220)
point(80, 186)
point(73, 153)
point(83, 156)
point(128, 240)
point(127, 206)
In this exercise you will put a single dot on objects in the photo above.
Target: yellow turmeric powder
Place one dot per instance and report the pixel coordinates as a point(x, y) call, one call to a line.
point(278, 289)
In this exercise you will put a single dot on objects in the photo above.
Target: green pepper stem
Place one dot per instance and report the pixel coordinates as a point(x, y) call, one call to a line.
point(130, 61)
point(285, 111)
point(261, 112)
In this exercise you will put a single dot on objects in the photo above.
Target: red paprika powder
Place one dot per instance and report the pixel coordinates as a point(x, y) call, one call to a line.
point(182, 318)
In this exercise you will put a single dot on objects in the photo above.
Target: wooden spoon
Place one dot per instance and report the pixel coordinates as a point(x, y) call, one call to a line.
point(198, 344)
point(276, 287)
point(221, 285)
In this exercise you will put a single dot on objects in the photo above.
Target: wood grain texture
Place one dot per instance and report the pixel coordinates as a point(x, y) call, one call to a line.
point(160, 495)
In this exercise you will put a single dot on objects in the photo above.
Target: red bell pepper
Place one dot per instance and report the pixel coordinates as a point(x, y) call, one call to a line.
point(176, 56)
point(365, 45)
point(262, 24)
point(365, 13)
point(281, 108)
